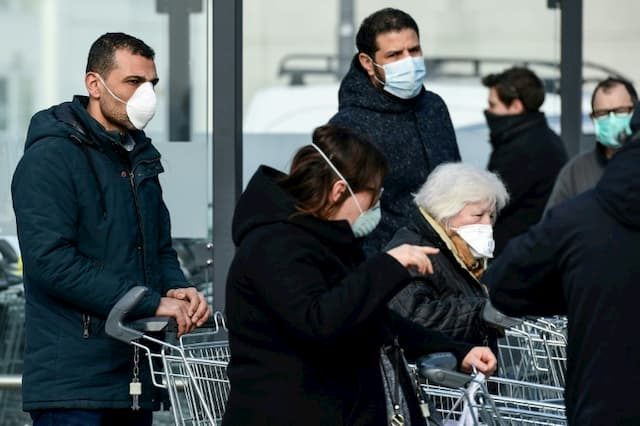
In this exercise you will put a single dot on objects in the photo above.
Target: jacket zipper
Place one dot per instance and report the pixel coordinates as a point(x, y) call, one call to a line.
point(139, 214)
point(86, 325)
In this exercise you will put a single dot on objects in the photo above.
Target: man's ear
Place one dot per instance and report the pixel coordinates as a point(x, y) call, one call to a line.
point(337, 190)
point(92, 84)
point(367, 63)
point(516, 107)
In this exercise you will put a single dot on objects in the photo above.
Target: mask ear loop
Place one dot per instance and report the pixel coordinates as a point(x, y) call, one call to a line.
point(374, 74)
point(107, 87)
point(339, 175)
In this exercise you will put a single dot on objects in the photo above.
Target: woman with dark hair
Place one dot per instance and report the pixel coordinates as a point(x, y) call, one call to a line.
point(306, 312)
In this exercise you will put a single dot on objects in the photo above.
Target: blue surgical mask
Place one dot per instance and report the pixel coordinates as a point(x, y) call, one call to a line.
point(611, 128)
point(368, 220)
point(404, 78)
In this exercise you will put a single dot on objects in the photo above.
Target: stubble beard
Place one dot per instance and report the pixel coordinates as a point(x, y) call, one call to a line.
point(115, 113)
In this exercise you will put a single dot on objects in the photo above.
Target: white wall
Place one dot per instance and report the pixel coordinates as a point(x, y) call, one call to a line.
point(492, 28)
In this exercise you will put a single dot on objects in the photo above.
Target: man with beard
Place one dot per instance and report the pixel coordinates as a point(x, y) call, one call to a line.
point(383, 98)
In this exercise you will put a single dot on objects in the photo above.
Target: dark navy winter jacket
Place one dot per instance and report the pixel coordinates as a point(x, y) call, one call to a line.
point(414, 135)
point(581, 260)
point(91, 225)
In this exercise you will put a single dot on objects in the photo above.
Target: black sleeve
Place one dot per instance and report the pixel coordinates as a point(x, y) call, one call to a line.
point(418, 341)
point(525, 278)
point(459, 317)
point(424, 302)
point(290, 283)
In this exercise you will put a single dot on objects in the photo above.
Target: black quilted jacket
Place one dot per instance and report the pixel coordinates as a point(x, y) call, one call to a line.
point(450, 300)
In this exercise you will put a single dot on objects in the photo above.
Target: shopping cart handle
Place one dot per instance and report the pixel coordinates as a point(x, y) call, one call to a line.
point(445, 360)
point(152, 324)
point(114, 326)
point(439, 368)
point(493, 316)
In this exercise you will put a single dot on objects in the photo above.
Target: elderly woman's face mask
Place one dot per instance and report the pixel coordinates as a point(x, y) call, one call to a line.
point(474, 225)
point(479, 238)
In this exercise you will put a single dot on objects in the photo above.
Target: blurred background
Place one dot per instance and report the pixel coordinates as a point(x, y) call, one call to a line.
point(292, 56)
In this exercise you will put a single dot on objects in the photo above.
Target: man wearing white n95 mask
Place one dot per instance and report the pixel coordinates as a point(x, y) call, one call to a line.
point(92, 224)
point(383, 98)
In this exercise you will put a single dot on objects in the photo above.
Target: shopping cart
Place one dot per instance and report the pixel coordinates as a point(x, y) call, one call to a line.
point(466, 400)
point(533, 349)
point(12, 338)
point(193, 370)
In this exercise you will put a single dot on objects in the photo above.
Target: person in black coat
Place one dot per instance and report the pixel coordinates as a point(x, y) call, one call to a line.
point(454, 212)
point(306, 312)
point(581, 260)
point(382, 97)
point(527, 154)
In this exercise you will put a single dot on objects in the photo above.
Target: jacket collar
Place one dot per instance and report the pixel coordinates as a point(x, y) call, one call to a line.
point(505, 128)
point(428, 226)
point(88, 130)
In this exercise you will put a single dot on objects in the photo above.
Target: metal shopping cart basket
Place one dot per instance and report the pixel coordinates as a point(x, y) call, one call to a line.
point(533, 349)
point(193, 370)
point(12, 339)
point(465, 400)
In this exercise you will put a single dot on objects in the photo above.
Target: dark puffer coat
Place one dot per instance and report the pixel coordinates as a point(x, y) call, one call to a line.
point(451, 300)
point(307, 317)
point(91, 225)
point(414, 135)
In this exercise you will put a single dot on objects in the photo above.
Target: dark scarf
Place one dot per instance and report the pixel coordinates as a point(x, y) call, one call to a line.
point(504, 128)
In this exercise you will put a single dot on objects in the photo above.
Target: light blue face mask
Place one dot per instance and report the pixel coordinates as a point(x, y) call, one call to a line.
point(368, 220)
point(404, 78)
point(611, 128)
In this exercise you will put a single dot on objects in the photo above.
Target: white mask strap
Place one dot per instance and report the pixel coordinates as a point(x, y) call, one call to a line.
point(108, 90)
point(339, 175)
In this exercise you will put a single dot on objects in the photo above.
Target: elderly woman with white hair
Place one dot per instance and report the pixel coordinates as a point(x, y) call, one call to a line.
point(455, 211)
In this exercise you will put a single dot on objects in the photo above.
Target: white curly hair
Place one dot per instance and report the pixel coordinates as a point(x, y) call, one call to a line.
point(450, 186)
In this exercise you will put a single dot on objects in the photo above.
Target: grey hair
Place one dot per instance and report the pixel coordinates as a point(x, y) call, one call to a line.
point(450, 186)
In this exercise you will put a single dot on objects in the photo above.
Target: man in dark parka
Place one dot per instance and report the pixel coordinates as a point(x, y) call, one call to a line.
point(92, 224)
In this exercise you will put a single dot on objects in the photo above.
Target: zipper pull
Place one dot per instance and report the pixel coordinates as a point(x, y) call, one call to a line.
point(86, 322)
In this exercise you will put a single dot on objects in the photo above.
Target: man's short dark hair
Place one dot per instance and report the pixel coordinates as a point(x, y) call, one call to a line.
point(517, 83)
point(380, 22)
point(610, 82)
point(102, 52)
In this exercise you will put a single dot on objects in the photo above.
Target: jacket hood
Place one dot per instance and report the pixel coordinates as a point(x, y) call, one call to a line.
point(356, 90)
point(265, 202)
point(57, 121)
point(71, 120)
point(618, 191)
